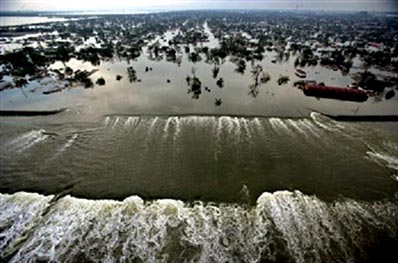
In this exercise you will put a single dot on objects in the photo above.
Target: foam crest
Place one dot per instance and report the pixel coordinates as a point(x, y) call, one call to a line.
point(391, 161)
point(226, 122)
point(26, 141)
point(321, 121)
point(166, 127)
point(278, 125)
point(115, 122)
point(246, 127)
point(219, 130)
point(315, 230)
point(237, 126)
point(153, 123)
point(283, 226)
point(310, 126)
point(20, 213)
point(297, 125)
point(128, 121)
point(257, 124)
point(107, 120)
point(177, 127)
point(135, 121)
point(69, 143)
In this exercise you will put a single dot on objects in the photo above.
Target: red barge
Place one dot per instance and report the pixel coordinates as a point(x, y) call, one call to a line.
point(328, 92)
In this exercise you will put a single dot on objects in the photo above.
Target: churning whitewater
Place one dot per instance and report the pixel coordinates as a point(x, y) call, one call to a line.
point(282, 227)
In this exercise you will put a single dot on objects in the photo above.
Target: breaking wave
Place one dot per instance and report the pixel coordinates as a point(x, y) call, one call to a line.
point(282, 227)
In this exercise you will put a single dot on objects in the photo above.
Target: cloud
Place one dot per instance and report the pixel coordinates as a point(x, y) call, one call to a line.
point(51, 5)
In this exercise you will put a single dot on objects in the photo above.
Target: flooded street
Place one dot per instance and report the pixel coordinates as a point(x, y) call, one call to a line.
point(154, 95)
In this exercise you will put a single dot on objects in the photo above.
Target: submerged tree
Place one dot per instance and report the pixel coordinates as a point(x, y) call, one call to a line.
point(83, 77)
point(220, 82)
point(256, 71)
point(265, 77)
point(283, 80)
point(100, 81)
point(188, 79)
point(196, 87)
point(20, 82)
point(132, 74)
point(369, 81)
point(194, 57)
point(241, 66)
point(215, 71)
point(217, 102)
point(68, 71)
point(297, 62)
point(195, 84)
point(64, 52)
point(253, 90)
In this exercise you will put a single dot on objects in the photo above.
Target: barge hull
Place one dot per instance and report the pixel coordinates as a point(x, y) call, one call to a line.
point(346, 94)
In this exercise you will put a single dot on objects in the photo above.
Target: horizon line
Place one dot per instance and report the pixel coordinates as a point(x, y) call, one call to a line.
point(121, 11)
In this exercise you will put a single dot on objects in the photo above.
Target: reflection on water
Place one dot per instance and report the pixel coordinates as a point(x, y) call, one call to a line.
point(155, 95)
point(26, 20)
point(162, 87)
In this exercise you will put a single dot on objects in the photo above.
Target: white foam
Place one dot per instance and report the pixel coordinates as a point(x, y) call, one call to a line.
point(228, 123)
point(258, 126)
point(153, 124)
point(26, 141)
point(33, 142)
point(19, 213)
point(107, 119)
point(311, 127)
point(278, 125)
point(166, 128)
point(218, 137)
point(192, 120)
point(26, 136)
point(246, 127)
point(282, 226)
point(391, 146)
point(237, 127)
point(128, 121)
point(131, 121)
point(317, 118)
point(115, 122)
point(219, 128)
point(391, 161)
point(207, 121)
point(296, 124)
point(314, 229)
point(177, 128)
point(69, 142)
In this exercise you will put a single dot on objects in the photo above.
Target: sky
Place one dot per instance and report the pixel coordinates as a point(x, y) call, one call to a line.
point(148, 5)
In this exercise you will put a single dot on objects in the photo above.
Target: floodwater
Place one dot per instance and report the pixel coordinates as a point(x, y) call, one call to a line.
point(27, 20)
point(143, 172)
point(154, 95)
